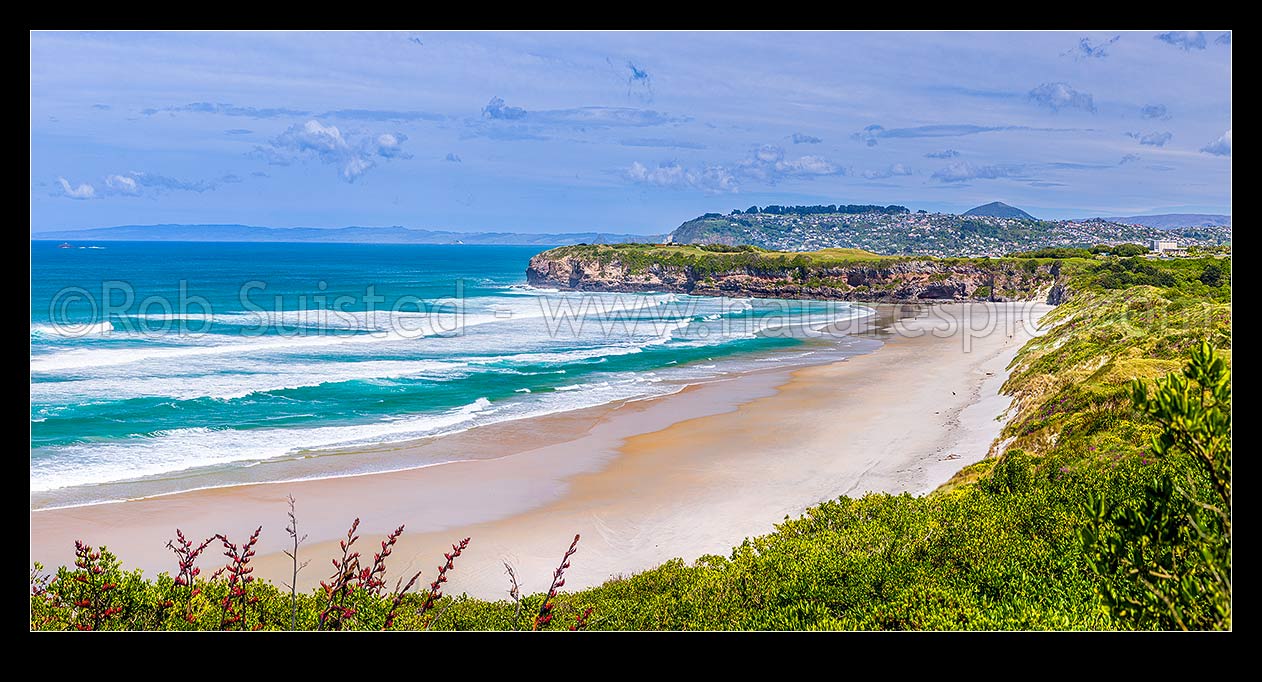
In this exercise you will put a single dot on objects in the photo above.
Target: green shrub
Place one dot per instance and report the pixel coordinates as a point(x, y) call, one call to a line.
point(1013, 473)
point(1056, 252)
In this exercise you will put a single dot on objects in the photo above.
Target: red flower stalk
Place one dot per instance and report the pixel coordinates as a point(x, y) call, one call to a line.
point(39, 582)
point(236, 603)
point(397, 598)
point(436, 587)
point(92, 597)
point(183, 590)
point(558, 579)
point(581, 621)
point(372, 579)
point(351, 576)
point(340, 585)
point(42, 585)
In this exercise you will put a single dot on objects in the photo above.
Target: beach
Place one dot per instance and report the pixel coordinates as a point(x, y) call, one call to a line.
point(682, 475)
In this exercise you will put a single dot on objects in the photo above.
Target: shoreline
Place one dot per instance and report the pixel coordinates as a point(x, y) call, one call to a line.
point(731, 457)
point(858, 334)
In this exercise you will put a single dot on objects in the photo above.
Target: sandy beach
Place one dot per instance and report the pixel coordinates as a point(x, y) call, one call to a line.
point(645, 481)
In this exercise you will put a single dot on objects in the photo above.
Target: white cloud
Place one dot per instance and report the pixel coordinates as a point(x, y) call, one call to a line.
point(1184, 40)
point(83, 191)
point(390, 146)
point(314, 137)
point(327, 143)
point(887, 172)
point(769, 153)
point(961, 171)
point(807, 165)
point(1153, 139)
point(355, 166)
point(122, 183)
point(1219, 147)
point(767, 164)
point(134, 183)
point(712, 179)
point(1057, 96)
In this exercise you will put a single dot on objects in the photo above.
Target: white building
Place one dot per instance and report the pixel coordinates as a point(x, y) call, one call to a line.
point(1163, 245)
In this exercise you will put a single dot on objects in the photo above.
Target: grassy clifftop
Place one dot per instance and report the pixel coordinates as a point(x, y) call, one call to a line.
point(716, 257)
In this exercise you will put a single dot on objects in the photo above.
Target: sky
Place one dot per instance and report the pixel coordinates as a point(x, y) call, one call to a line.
point(630, 132)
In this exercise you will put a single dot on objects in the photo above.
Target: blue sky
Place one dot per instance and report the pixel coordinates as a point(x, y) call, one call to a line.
point(624, 132)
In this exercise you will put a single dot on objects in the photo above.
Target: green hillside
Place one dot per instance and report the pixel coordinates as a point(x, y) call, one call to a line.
point(894, 230)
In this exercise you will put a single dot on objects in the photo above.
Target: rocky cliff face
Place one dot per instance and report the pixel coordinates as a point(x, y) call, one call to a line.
point(893, 282)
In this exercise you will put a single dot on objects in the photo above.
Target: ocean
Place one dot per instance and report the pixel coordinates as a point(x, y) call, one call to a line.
point(185, 365)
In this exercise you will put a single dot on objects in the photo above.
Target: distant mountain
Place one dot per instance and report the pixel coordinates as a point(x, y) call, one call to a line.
point(998, 209)
point(1167, 221)
point(362, 235)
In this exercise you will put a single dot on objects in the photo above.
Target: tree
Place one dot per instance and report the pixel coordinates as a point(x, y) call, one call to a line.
point(1128, 250)
point(1212, 276)
point(1165, 559)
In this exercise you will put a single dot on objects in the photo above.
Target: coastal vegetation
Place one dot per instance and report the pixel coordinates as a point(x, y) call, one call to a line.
point(1107, 507)
point(1119, 250)
point(709, 258)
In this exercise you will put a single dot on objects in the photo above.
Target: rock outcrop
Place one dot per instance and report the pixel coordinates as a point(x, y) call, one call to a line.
point(895, 280)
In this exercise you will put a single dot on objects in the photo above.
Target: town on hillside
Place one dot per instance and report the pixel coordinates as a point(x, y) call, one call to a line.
point(992, 230)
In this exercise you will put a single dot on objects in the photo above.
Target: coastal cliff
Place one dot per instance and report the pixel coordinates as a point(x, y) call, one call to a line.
point(839, 274)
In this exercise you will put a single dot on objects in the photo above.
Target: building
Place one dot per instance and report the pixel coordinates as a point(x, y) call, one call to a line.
point(1164, 245)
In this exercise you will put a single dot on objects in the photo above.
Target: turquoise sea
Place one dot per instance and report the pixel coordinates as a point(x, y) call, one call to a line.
point(188, 360)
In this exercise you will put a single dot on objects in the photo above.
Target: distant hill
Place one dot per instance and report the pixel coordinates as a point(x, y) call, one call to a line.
point(363, 235)
point(1167, 221)
point(998, 209)
point(894, 230)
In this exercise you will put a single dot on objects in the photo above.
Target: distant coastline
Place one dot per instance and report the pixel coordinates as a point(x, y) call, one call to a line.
point(340, 235)
point(739, 227)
